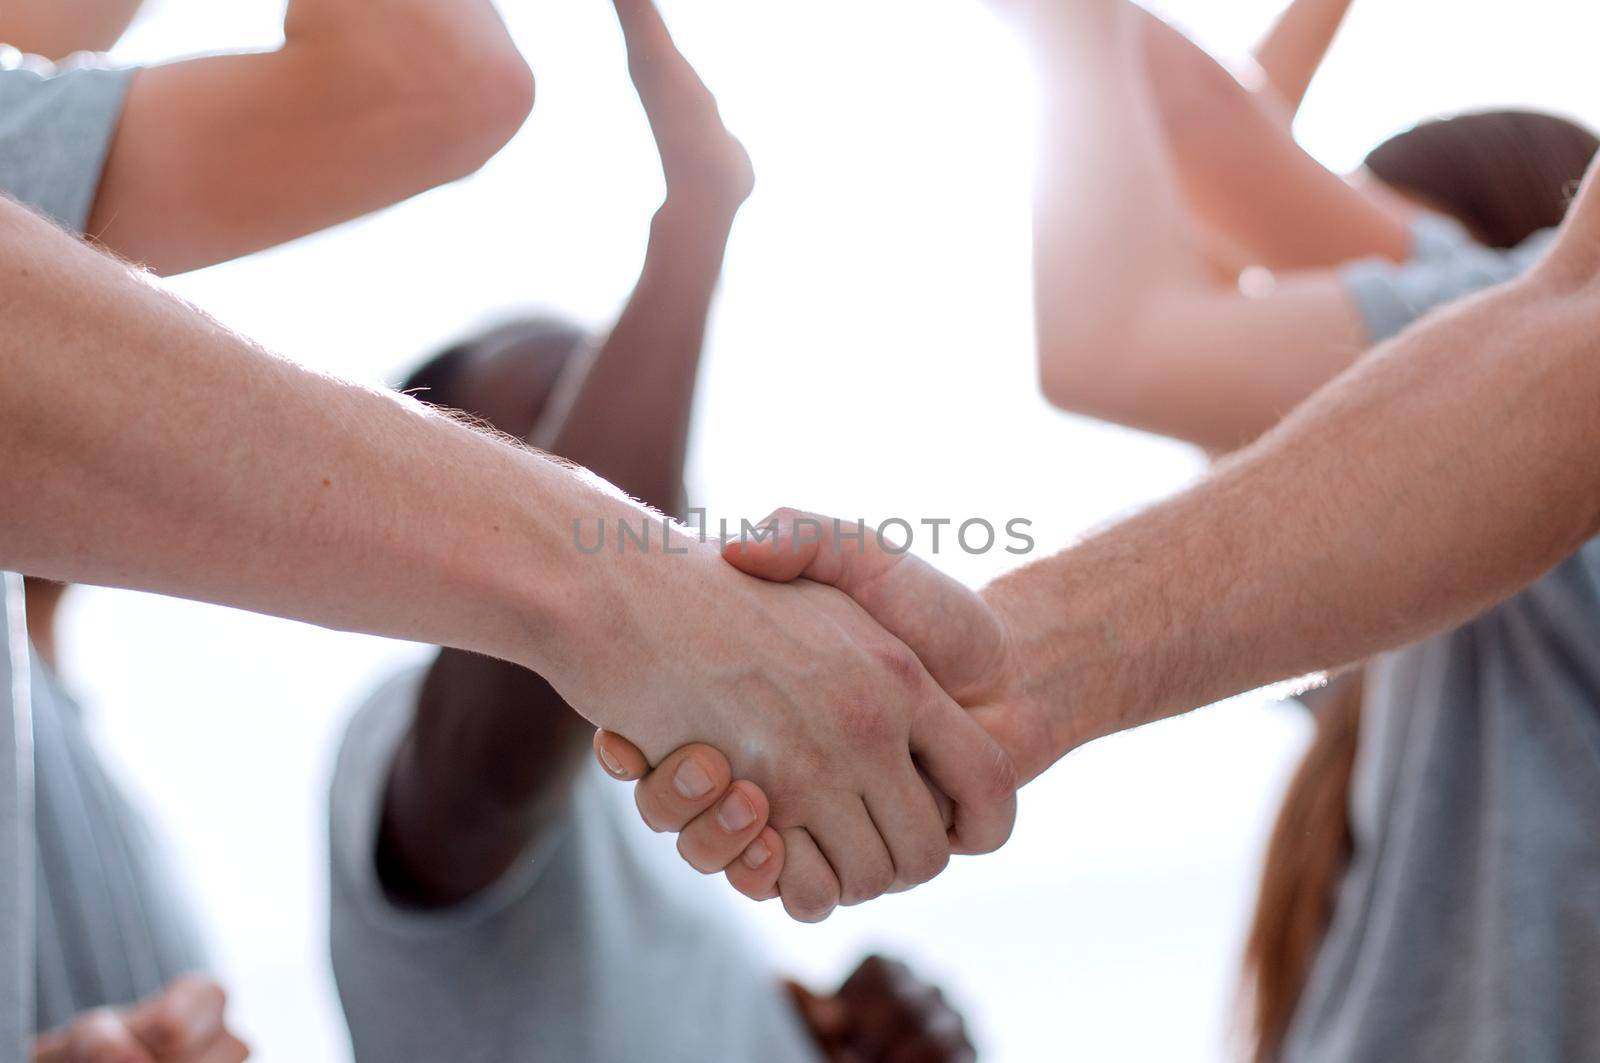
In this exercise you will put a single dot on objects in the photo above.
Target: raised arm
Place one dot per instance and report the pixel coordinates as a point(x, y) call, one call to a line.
point(1293, 50)
point(147, 447)
point(363, 105)
point(625, 411)
point(1132, 325)
point(492, 745)
point(1247, 179)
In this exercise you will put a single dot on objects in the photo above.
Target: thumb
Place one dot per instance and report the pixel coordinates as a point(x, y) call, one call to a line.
point(792, 544)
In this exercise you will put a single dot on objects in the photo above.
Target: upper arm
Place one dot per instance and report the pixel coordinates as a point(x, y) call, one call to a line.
point(225, 155)
point(1211, 366)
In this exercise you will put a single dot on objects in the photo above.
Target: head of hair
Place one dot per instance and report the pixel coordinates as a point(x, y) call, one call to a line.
point(1505, 175)
point(545, 341)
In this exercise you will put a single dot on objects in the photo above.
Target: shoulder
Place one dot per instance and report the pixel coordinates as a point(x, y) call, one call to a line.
point(56, 124)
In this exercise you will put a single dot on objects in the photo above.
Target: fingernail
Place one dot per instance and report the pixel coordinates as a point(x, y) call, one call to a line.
point(756, 854)
point(691, 780)
point(609, 761)
point(735, 813)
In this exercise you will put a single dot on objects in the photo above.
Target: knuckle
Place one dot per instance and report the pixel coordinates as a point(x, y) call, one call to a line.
point(867, 885)
point(926, 865)
point(899, 662)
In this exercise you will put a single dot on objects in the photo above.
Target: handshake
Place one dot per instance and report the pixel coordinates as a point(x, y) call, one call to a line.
point(872, 709)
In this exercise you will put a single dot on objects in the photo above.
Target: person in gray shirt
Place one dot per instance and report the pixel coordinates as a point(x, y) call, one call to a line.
point(489, 897)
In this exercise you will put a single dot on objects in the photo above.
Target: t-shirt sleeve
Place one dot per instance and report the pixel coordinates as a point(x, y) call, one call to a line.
point(56, 125)
point(360, 782)
point(1446, 265)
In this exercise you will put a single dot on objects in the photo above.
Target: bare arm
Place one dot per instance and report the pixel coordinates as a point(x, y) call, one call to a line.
point(1451, 468)
point(1245, 176)
point(147, 447)
point(1293, 50)
point(362, 106)
point(57, 28)
point(459, 810)
point(1132, 326)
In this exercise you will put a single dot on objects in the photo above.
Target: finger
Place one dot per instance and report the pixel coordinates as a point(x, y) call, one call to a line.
point(225, 1049)
point(755, 873)
point(854, 848)
point(970, 767)
point(789, 544)
point(619, 757)
point(718, 836)
point(682, 786)
point(101, 1037)
point(807, 884)
point(909, 820)
point(182, 1017)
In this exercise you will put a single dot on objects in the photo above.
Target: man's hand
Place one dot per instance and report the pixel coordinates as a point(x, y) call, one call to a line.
point(961, 641)
point(832, 716)
point(184, 1023)
point(884, 1013)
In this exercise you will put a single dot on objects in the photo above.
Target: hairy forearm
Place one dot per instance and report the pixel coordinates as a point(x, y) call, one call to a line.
point(1449, 469)
point(148, 447)
point(1293, 50)
point(361, 107)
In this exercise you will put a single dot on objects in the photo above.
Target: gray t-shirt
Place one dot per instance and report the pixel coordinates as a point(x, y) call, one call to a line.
point(1467, 927)
point(583, 951)
point(55, 129)
point(111, 925)
point(16, 826)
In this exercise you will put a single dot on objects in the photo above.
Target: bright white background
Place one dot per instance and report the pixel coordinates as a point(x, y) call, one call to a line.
point(883, 261)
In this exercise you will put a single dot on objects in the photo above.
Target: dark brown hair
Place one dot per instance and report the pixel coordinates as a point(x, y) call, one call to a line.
point(1503, 174)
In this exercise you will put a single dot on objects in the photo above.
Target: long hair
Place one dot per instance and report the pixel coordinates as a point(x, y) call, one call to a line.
point(1505, 175)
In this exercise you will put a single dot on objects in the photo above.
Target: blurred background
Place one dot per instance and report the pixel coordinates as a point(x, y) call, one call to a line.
point(884, 256)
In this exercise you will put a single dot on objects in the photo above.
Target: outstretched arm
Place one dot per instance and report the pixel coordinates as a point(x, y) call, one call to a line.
point(459, 807)
point(1293, 50)
point(147, 447)
point(363, 105)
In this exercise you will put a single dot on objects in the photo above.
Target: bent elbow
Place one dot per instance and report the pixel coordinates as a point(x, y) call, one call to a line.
point(1079, 364)
point(483, 110)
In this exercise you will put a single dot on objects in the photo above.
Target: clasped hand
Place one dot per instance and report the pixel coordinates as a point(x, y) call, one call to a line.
point(945, 737)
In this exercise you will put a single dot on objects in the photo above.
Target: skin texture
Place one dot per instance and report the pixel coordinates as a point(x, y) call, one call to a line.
point(1448, 469)
point(362, 106)
point(184, 1023)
